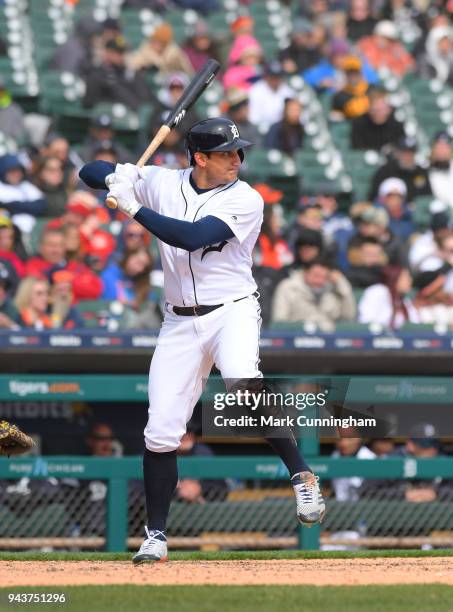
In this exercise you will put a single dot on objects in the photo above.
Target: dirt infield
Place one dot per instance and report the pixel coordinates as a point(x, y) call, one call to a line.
point(248, 572)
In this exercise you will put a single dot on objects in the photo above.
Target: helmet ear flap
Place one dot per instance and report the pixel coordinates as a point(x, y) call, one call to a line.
point(241, 154)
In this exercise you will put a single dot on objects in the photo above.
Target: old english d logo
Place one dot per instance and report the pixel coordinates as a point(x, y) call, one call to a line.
point(217, 248)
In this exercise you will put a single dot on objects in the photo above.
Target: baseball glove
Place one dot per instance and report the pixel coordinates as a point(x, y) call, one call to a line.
point(13, 441)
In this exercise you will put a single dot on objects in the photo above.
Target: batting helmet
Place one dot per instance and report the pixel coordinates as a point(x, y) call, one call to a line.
point(217, 134)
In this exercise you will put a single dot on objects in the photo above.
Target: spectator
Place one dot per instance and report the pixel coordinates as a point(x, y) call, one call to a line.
point(387, 303)
point(378, 127)
point(18, 196)
point(11, 115)
point(32, 302)
point(113, 82)
point(438, 59)
point(309, 215)
point(403, 165)
point(275, 91)
point(434, 305)
point(133, 237)
point(382, 447)
point(392, 196)
point(271, 250)
point(441, 168)
point(246, 57)
point(309, 246)
point(383, 50)
point(9, 316)
point(373, 222)
point(160, 53)
point(169, 96)
point(200, 46)
point(11, 247)
point(242, 29)
point(424, 249)
point(101, 130)
point(423, 444)
point(51, 253)
point(76, 55)
point(58, 146)
point(337, 227)
point(317, 295)
point(327, 76)
point(349, 445)
point(287, 135)
point(445, 251)
point(62, 312)
point(129, 283)
point(101, 442)
point(304, 50)
point(352, 100)
point(367, 258)
point(172, 152)
point(198, 491)
point(48, 176)
point(237, 109)
point(360, 21)
point(106, 150)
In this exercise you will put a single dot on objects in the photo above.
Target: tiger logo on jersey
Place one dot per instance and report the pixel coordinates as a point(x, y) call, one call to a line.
point(216, 247)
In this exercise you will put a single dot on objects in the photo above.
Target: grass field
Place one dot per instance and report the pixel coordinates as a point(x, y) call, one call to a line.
point(305, 598)
point(416, 598)
point(228, 555)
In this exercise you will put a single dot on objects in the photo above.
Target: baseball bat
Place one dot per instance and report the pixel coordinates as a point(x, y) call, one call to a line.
point(192, 92)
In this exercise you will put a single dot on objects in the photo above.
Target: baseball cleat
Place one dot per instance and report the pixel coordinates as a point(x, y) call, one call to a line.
point(153, 549)
point(310, 503)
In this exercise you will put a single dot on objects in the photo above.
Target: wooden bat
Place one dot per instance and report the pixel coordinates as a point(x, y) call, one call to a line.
point(192, 92)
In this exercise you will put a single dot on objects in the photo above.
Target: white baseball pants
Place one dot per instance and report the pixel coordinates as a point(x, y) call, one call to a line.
point(186, 350)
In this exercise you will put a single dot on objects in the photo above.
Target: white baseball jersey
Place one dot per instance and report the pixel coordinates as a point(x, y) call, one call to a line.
point(216, 273)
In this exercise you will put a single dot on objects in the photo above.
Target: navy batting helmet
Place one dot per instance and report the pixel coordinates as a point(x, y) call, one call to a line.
point(217, 134)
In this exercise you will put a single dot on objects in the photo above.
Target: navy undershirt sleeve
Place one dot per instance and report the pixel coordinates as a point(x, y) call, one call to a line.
point(93, 174)
point(184, 234)
point(181, 234)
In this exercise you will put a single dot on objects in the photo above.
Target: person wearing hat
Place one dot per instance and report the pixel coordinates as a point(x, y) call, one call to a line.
point(244, 61)
point(366, 258)
point(383, 50)
point(441, 168)
point(392, 195)
point(112, 81)
point(237, 109)
point(100, 130)
point(272, 89)
point(352, 100)
point(437, 61)
point(23, 200)
point(377, 127)
point(304, 49)
point(328, 76)
point(401, 163)
point(160, 53)
point(200, 46)
point(373, 222)
point(11, 115)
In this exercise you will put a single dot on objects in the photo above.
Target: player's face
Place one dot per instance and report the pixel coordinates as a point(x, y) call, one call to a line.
point(222, 166)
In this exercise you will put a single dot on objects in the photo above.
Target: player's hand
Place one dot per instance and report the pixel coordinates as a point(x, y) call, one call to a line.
point(125, 196)
point(130, 171)
point(118, 179)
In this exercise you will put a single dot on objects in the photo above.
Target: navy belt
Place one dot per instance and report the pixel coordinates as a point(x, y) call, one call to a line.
point(199, 311)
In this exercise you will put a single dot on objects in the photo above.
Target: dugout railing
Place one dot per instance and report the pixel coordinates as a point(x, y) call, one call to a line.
point(116, 473)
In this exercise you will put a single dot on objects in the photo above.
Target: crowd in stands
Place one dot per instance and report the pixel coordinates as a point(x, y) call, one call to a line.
point(318, 261)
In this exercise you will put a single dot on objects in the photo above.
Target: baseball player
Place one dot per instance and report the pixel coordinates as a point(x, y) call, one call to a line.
point(206, 221)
